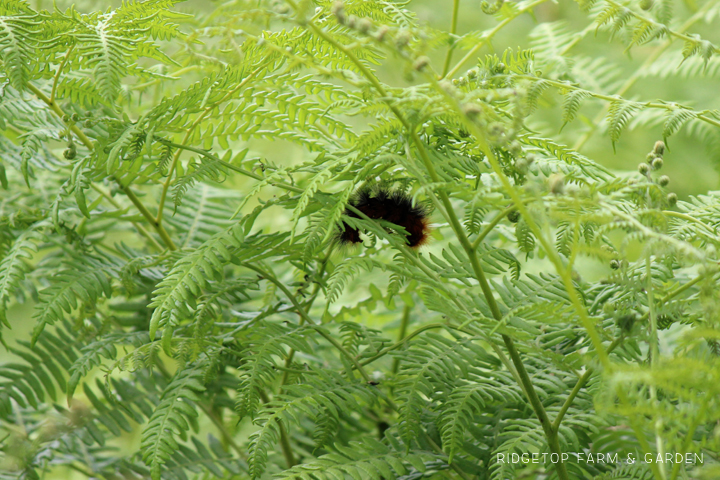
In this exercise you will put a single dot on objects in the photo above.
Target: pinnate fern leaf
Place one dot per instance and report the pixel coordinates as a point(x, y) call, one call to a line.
point(168, 421)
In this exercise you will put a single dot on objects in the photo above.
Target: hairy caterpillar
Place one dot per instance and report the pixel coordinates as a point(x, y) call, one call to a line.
point(394, 206)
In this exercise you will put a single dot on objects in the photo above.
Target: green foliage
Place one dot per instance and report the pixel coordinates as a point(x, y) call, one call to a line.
point(174, 186)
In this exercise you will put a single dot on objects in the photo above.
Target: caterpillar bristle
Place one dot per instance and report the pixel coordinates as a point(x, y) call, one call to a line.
point(394, 206)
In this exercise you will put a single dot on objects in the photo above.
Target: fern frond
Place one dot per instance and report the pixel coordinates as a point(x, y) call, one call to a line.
point(169, 417)
point(470, 399)
point(430, 364)
point(321, 394)
point(18, 39)
point(366, 459)
point(84, 279)
point(15, 264)
point(268, 343)
point(619, 114)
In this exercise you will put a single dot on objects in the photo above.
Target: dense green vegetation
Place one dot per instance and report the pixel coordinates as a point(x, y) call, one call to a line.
point(174, 301)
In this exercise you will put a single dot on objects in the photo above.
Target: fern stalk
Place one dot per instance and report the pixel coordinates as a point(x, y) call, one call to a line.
point(491, 226)
point(53, 90)
point(529, 388)
point(235, 168)
point(453, 31)
point(401, 335)
point(654, 359)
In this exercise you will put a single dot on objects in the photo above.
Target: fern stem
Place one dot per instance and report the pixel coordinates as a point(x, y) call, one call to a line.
point(654, 346)
point(654, 357)
point(489, 228)
point(307, 306)
point(453, 31)
point(673, 33)
point(529, 388)
point(682, 288)
point(306, 317)
point(579, 385)
point(146, 213)
point(401, 342)
point(287, 448)
point(639, 434)
point(223, 430)
point(143, 231)
point(89, 145)
point(228, 165)
point(614, 98)
point(57, 74)
point(439, 450)
point(708, 230)
point(487, 37)
point(547, 246)
point(181, 71)
point(685, 447)
point(401, 335)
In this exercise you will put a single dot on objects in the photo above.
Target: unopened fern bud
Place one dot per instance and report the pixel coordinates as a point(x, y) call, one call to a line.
point(472, 73)
point(557, 183)
point(659, 148)
point(75, 117)
point(421, 63)
point(88, 123)
point(646, 4)
point(402, 39)
point(471, 110)
point(70, 152)
point(644, 168)
point(380, 34)
point(66, 118)
point(338, 9)
point(364, 25)
point(500, 68)
point(672, 199)
point(657, 164)
point(664, 181)
point(614, 264)
point(521, 165)
point(447, 87)
point(513, 216)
